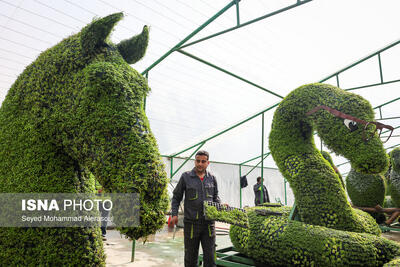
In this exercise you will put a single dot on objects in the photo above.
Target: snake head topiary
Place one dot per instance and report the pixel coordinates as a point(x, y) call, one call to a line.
point(351, 133)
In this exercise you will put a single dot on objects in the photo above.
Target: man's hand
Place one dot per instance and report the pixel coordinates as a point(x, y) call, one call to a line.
point(174, 220)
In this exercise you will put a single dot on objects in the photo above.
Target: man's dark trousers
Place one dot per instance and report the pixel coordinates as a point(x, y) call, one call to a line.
point(104, 214)
point(194, 234)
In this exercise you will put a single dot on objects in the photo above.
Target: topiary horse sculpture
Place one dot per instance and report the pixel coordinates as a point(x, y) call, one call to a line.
point(330, 232)
point(75, 115)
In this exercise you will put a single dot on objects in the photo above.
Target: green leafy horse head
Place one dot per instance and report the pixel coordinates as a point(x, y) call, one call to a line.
point(76, 115)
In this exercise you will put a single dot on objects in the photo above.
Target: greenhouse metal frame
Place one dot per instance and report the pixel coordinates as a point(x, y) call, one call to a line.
point(264, 154)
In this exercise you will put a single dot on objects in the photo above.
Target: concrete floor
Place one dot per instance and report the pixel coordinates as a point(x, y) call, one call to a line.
point(392, 235)
point(162, 250)
point(159, 250)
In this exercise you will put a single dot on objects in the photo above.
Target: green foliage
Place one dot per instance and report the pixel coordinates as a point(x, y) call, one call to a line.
point(133, 49)
point(51, 247)
point(387, 177)
point(275, 240)
point(388, 202)
point(232, 216)
point(95, 35)
point(393, 263)
point(75, 115)
point(395, 159)
point(330, 232)
point(320, 196)
point(240, 238)
point(328, 157)
point(394, 177)
point(365, 190)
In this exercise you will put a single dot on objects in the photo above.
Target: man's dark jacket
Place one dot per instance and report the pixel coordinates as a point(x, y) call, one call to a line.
point(257, 193)
point(196, 191)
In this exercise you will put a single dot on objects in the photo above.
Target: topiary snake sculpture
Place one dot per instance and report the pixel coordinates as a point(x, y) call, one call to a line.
point(330, 232)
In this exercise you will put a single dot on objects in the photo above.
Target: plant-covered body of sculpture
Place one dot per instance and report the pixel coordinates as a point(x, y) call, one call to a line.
point(320, 198)
point(394, 177)
point(366, 190)
point(328, 157)
point(330, 232)
point(77, 110)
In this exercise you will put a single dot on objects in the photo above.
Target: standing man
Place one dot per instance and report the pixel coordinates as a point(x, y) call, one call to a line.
point(104, 214)
point(198, 185)
point(260, 190)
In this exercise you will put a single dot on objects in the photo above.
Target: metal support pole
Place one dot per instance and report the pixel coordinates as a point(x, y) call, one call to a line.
point(244, 162)
point(133, 250)
point(178, 45)
point(371, 85)
point(247, 23)
point(191, 155)
point(262, 159)
point(144, 100)
point(265, 156)
point(228, 129)
point(380, 67)
point(387, 103)
point(228, 72)
point(237, 13)
point(337, 80)
point(240, 175)
point(361, 60)
point(285, 190)
point(172, 169)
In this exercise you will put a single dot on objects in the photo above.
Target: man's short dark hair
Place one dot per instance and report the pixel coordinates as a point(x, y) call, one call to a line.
point(203, 153)
point(258, 179)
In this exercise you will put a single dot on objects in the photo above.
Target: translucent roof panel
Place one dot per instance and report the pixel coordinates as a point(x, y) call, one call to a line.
point(191, 100)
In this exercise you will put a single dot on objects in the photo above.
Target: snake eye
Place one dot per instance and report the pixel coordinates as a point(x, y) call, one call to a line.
point(352, 125)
